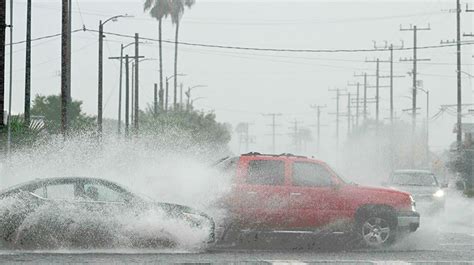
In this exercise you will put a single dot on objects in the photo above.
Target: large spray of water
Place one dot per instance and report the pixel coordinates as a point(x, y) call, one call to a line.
point(161, 171)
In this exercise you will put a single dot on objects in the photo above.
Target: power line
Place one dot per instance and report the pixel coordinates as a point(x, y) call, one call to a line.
point(45, 37)
point(230, 47)
point(281, 49)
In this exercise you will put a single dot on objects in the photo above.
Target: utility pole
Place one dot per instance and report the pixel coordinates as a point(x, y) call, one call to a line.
point(243, 130)
point(338, 95)
point(127, 93)
point(377, 90)
point(137, 107)
point(348, 114)
point(391, 76)
point(69, 53)
point(119, 125)
point(3, 27)
point(121, 58)
point(132, 94)
point(166, 94)
point(65, 64)
point(357, 106)
point(181, 96)
point(161, 99)
point(273, 125)
point(366, 85)
point(28, 63)
point(295, 135)
point(377, 95)
point(459, 90)
point(357, 85)
point(155, 100)
point(415, 59)
point(10, 83)
point(318, 124)
point(100, 84)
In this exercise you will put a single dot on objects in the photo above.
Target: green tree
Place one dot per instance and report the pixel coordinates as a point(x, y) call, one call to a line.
point(47, 108)
point(159, 9)
point(22, 133)
point(186, 129)
point(176, 13)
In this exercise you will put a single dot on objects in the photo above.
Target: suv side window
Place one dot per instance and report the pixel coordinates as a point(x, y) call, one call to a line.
point(266, 172)
point(311, 175)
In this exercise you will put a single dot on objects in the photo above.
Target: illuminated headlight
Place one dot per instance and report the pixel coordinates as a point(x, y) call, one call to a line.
point(439, 194)
point(413, 204)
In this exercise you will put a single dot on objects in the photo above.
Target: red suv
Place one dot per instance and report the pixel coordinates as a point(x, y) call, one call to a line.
point(288, 194)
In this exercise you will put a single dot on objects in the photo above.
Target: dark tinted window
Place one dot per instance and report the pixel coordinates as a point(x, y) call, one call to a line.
point(311, 175)
point(266, 172)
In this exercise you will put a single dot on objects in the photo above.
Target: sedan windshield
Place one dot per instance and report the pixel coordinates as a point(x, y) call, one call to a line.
point(414, 179)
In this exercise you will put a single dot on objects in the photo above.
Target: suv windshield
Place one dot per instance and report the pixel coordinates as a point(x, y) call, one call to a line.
point(414, 179)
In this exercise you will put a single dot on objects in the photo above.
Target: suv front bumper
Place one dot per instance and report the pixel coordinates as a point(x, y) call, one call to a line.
point(408, 221)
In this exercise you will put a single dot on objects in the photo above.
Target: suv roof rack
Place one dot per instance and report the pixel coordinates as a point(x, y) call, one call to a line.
point(275, 155)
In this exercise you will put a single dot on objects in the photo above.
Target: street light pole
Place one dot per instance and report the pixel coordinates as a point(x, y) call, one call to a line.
point(188, 95)
point(167, 90)
point(100, 70)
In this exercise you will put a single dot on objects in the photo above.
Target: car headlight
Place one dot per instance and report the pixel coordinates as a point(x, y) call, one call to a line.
point(439, 194)
point(413, 204)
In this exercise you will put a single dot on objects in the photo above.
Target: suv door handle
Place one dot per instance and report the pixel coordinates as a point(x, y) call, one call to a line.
point(251, 192)
point(295, 194)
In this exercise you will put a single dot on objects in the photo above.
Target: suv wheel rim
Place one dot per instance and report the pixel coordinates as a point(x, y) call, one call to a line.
point(375, 231)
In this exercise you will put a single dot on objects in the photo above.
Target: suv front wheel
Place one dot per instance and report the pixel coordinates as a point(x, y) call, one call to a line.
point(377, 228)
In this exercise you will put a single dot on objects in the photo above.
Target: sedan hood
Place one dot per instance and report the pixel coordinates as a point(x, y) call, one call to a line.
point(416, 190)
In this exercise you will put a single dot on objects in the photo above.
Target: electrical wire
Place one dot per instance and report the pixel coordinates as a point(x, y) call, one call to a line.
point(45, 37)
point(216, 46)
point(283, 49)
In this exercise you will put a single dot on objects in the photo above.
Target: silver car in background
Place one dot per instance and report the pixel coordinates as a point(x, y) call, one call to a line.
point(423, 185)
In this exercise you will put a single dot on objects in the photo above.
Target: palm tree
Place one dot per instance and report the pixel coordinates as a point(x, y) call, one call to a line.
point(176, 12)
point(158, 9)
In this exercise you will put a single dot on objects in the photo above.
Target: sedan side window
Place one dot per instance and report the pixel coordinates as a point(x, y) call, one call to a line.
point(41, 191)
point(266, 172)
point(60, 192)
point(97, 192)
point(311, 175)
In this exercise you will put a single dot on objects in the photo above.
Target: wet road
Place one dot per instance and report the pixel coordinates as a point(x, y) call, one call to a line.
point(448, 237)
point(425, 246)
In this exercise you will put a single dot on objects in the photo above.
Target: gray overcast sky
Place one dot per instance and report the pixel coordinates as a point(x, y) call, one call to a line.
point(242, 84)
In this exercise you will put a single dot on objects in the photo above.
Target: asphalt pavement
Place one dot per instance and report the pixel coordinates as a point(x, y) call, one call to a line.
point(447, 238)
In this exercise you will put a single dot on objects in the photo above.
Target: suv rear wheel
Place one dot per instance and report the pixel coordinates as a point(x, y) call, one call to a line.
point(377, 228)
